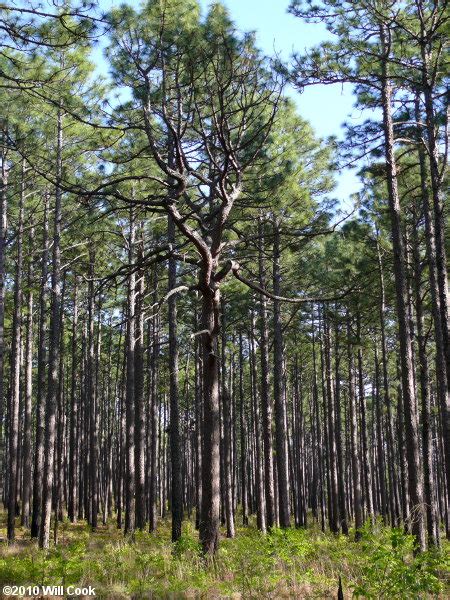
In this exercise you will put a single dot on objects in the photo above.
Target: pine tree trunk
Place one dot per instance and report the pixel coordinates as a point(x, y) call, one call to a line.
point(175, 442)
point(357, 502)
point(266, 403)
point(243, 431)
point(53, 378)
point(14, 395)
point(27, 441)
point(280, 400)
point(437, 292)
point(331, 423)
point(153, 417)
point(226, 409)
point(415, 484)
point(259, 470)
point(74, 398)
point(130, 476)
point(139, 394)
point(338, 426)
point(209, 517)
point(3, 234)
point(91, 397)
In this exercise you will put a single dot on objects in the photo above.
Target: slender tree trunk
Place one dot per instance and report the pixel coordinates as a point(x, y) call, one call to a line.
point(280, 400)
point(437, 290)
point(91, 396)
point(334, 499)
point(42, 361)
point(73, 440)
point(15, 372)
point(367, 471)
point(53, 378)
point(243, 432)
point(354, 437)
point(226, 409)
point(139, 395)
point(380, 441)
point(409, 397)
point(130, 476)
point(266, 403)
point(259, 470)
point(27, 448)
point(427, 449)
point(338, 426)
point(154, 413)
point(175, 442)
point(394, 500)
point(3, 233)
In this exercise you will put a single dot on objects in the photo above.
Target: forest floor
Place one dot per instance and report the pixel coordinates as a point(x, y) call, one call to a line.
point(298, 563)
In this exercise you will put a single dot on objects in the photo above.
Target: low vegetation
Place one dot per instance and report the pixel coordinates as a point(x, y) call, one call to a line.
point(293, 563)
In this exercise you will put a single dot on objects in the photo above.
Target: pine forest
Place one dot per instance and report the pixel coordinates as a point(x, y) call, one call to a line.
point(219, 378)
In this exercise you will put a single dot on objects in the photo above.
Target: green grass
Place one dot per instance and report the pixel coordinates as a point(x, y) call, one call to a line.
point(296, 563)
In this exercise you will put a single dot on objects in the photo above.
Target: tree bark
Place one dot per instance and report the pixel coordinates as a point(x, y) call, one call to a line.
point(53, 378)
point(130, 475)
point(175, 442)
point(409, 397)
point(14, 396)
point(279, 396)
point(266, 404)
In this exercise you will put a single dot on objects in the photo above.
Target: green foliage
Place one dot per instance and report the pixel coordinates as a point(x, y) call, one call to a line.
point(62, 565)
point(390, 569)
point(303, 563)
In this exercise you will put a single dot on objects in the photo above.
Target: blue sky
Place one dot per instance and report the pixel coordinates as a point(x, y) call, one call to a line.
point(325, 107)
